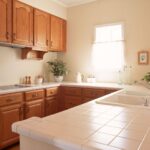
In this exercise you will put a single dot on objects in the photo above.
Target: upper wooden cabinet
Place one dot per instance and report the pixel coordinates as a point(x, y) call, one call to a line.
point(5, 20)
point(22, 24)
point(57, 34)
point(41, 29)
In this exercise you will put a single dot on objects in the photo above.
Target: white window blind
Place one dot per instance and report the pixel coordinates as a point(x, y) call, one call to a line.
point(108, 48)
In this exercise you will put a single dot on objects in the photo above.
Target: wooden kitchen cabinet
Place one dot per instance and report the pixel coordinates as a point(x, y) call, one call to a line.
point(34, 103)
point(51, 106)
point(5, 20)
point(91, 94)
point(72, 96)
point(34, 108)
point(57, 34)
point(51, 101)
point(108, 91)
point(72, 101)
point(64, 36)
point(41, 30)
point(11, 110)
point(22, 24)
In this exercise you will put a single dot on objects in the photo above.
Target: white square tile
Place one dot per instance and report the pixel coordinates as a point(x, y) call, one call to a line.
point(101, 138)
point(132, 134)
point(97, 146)
point(125, 144)
point(110, 130)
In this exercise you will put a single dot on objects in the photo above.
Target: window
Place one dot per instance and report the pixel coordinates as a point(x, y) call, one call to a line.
point(108, 48)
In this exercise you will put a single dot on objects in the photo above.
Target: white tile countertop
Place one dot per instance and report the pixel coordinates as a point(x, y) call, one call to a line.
point(92, 126)
point(74, 84)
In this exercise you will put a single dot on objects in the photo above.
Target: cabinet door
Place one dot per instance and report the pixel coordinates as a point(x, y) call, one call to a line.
point(9, 115)
point(41, 29)
point(55, 33)
point(22, 23)
point(72, 101)
point(34, 108)
point(5, 20)
point(51, 106)
point(63, 35)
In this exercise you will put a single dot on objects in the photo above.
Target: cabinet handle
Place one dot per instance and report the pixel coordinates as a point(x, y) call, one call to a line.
point(14, 36)
point(34, 95)
point(9, 100)
point(47, 42)
point(7, 35)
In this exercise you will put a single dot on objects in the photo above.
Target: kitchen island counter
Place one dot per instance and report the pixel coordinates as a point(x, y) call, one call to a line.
point(90, 126)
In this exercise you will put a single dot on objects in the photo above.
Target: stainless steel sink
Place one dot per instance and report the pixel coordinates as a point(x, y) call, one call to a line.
point(15, 86)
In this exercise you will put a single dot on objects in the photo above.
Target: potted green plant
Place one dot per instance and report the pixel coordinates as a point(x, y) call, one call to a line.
point(147, 77)
point(58, 68)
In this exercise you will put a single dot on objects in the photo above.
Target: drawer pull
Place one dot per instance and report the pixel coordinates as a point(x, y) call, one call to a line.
point(9, 100)
point(34, 95)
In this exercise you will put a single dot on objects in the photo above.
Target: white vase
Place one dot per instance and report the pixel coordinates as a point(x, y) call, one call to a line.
point(58, 78)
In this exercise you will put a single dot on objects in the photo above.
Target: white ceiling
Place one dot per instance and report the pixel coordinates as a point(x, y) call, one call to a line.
point(70, 3)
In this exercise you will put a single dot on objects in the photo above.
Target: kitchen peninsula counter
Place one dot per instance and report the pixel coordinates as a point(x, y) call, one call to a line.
point(90, 126)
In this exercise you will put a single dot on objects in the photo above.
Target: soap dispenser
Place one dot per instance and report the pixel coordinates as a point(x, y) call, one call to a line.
point(79, 77)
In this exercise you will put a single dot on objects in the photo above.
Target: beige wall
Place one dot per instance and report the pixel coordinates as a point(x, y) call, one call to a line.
point(81, 21)
point(12, 68)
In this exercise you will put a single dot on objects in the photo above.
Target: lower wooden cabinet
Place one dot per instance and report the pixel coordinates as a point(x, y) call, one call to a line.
point(51, 106)
point(15, 107)
point(34, 108)
point(51, 100)
point(72, 101)
point(9, 113)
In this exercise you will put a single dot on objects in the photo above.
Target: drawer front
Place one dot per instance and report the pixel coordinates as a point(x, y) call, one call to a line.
point(93, 93)
point(88, 93)
point(108, 91)
point(73, 91)
point(51, 91)
point(99, 93)
point(31, 95)
point(73, 100)
point(9, 99)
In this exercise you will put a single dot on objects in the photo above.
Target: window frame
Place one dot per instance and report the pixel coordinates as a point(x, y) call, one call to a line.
point(123, 35)
point(110, 24)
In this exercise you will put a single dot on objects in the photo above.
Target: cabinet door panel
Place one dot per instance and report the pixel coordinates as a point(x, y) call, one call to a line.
point(51, 106)
point(5, 20)
point(9, 115)
point(34, 108)
point(64, 35)
point(41, 29)
point(22, 23)
point(55, 43)
point(71, 101)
